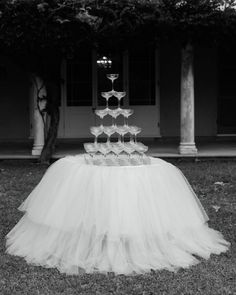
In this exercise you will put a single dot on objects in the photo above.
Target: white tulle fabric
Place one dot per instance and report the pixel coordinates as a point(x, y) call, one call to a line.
point(130, 219)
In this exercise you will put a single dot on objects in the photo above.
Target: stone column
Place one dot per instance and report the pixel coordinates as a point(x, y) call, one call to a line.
point(187, 137)
point(38, 124)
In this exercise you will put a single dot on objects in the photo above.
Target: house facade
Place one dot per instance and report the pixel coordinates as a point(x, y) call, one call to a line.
point(152, 79)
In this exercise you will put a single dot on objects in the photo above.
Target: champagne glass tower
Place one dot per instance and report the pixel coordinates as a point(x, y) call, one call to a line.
point(124, 152)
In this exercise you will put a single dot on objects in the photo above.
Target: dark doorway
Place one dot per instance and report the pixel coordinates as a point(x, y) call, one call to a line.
point(226, 122)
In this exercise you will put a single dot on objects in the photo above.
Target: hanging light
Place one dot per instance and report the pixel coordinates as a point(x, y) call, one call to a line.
point(104, 62)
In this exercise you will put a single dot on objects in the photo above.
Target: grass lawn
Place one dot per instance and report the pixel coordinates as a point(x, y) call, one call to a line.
point(215, 184)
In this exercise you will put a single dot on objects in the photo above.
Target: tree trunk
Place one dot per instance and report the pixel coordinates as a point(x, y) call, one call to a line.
point(52, 110)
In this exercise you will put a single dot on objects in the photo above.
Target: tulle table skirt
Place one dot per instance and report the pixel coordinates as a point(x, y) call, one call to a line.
point(126, 219)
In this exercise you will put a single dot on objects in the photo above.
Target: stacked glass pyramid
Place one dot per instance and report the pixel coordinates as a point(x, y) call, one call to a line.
point(125, 150)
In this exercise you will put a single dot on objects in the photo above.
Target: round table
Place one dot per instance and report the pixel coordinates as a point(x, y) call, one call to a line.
point(124, 219)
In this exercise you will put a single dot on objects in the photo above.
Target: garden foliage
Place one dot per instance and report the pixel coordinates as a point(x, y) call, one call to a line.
point(37, 34)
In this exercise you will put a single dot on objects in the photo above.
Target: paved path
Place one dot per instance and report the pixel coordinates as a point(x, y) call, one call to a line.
point(156, 149)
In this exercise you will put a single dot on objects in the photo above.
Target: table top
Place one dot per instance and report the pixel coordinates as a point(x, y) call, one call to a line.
point(80, 160)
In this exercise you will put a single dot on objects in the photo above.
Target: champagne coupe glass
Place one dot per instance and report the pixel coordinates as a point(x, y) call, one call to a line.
point(112, 77)
point(96, 131)
point(107, 95)
point(91, 149)
point(117, 149)
point(141, 149)
point(111, 155)
point(122, 130)
point(119, 95)
point(135, 130)
point(104, 149)
point(134, 155)
point(101, 114)
point(114, 114)
point(129, 149)
point(109, 130)
point(126, 113)
point(140, 144)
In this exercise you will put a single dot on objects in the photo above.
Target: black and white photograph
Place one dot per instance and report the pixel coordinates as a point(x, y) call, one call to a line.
point(118, 147)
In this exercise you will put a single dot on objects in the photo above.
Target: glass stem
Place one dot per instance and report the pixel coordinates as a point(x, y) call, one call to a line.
point(119, 139)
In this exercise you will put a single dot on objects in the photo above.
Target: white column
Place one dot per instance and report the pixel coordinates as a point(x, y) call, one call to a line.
point(38, 124)
point(187, 137)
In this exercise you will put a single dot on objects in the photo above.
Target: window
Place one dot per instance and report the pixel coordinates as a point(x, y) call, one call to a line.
point(79, 80)
point(142, 76)
point(227, 91)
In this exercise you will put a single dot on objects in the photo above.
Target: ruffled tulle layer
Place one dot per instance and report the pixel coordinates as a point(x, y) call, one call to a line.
point(88, 250)
point(83, 218)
